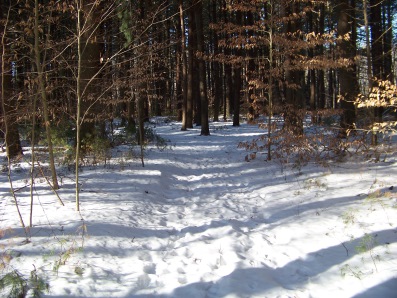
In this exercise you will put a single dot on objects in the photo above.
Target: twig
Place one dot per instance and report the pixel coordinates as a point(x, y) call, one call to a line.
point(15, 198)
point(347, 251)
point(18, 189)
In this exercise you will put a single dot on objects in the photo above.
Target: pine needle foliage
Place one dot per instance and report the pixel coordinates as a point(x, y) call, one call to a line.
point(13, 285)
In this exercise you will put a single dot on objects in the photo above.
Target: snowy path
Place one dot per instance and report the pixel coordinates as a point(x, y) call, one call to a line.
point(199, 221)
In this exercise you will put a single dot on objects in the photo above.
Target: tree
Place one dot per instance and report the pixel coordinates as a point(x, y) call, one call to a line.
point(347, 76)
point(193, 91)
point(294, 101)
point(42, 90)
point(13, 146)
point(297, 49)
point(198, 18)
point(87, 72)
point(216, 65)
point(186, 120)
point(236, 79)
point(388, 13)
point(8, 97)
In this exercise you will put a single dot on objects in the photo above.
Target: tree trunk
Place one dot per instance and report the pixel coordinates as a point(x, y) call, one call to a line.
point(236, 90)
point(378, 71)
point(90, 65)
point(388, 40)
point(375, 21)
point(228, 90)
point(320, 72)
point(190, 93)
point(251, 54)
point(8, 100)
point(205, 131)
point(217, 81)
point(294, 95)
point(79, 101)
point(142, 93)
point(88, 59)
point(183, 78)
point(312, 73)
point(42, 91)
point(347, 76)
point(237, 81)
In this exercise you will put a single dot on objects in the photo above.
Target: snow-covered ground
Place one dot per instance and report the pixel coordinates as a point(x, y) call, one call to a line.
point(200, 221)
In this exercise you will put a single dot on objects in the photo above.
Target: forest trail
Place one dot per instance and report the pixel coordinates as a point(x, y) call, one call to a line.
point(200, 221)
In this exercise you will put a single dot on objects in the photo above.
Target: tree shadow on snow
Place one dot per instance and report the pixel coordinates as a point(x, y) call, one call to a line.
point(243, 282)
point(385, 289)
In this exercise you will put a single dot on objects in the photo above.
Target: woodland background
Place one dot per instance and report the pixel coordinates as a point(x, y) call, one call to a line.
point(89, 82)
point(69, 68)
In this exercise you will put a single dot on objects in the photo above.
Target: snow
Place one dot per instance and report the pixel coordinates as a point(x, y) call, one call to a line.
point(200, 221)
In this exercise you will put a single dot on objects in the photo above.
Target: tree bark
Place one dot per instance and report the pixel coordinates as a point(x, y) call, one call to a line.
point(375, 21)
point(90, 66)
point(217, 81)
point(8, 100)
point(198, 16)
point(88, 59)
point(388, 40)
point(294, 95)
point(347, 76)
point(183, 79)
point(236, 76)
point(190, 93)
point(251, 54)
point(43, 95)
point(320, 72)
point(377, 51)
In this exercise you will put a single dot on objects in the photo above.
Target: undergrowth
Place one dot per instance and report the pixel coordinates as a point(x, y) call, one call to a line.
point(99, 150)
point(13, 283)
point(19, 283)
point(97, 146)
point(319, 143)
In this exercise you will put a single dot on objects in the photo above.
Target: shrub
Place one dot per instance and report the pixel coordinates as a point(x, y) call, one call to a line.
point(13, 284)
point(319, 143)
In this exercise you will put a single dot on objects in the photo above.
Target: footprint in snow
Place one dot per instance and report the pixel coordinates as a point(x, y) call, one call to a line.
point(143, 282)
point(163, 222)
point(182, 280)
point(150, 269)
point(162, 210)
point(145, 256)
point(181, 271)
